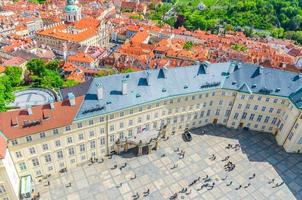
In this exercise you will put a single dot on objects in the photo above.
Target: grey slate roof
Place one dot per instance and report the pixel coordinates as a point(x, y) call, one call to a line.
point(164, 83)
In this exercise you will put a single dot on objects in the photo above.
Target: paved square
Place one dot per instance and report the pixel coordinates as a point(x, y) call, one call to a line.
point(258, 154)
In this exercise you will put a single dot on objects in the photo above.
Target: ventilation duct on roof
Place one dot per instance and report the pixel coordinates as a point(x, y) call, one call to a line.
point(148, 78)
point(51, 103)
point(71, 99)
point(124, 87)
point(29, 110)
point(99, 91)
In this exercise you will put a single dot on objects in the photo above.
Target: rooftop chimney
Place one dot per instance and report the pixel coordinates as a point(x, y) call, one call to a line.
point(51, 103)
point(261, 70)
point(71, 99)
point(99, 91)
point(29, 110)
point(124, 87)
point(148, 78)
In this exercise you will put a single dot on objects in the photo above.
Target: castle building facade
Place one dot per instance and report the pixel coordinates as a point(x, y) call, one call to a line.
point(97, 115)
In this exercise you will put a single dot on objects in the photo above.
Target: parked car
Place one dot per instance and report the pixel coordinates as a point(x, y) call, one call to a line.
point(187, 136)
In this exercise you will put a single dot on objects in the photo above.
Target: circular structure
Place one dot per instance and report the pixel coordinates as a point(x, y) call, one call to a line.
point(32, 97)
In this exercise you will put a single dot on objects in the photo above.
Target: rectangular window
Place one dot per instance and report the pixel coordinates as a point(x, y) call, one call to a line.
point(22, 166)
point(42, 135)
point(259, 118)
point(101, 119)
point(80, 125)
point(130, 123)
point(111, 138)
point(69, 140)
point(263, 109)
point(35, 162)
point(32, 150)
point(266, 119)
point(45, 147)
point(67, 128)
point(102, 141)
point(81, 136)
point(71, 151)
point(55, 131)
point(91, 133)
point(227, 113)
point(90, 122)
point(14, 142)
point(47, 158)
point(300, 141)
point(255, 107)
point(18, 154)
point(121, 125)
point(129, 133)
point(58, 143)
point(208, 113)
point(28, 138)
point(244, 115)
point(112, 128)
point(290, 136)
point(252, 117)
point(82, 147)
point(236, 115)
point(2, 189)
point(247, 106)
point(217, 112)
point(102, 130)
point(60, 155)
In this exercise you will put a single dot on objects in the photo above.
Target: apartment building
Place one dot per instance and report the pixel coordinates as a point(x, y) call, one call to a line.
point(94, 116)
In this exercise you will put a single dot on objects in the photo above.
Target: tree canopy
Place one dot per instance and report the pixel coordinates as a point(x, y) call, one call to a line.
point(277, 16)
point(45, 75)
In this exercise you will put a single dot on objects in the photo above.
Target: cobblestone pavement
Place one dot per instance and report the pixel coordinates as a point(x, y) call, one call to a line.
point(258, 154)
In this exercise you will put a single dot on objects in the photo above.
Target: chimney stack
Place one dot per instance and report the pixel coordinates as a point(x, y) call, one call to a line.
point(51, 103)
point(100, 91)
point(71, 99)
point(124, 87)
point(260, 70)
point(29, 110)
point(148, 78)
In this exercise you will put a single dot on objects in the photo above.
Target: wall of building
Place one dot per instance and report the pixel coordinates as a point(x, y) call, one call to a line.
point(48, 152)
point(9, 179)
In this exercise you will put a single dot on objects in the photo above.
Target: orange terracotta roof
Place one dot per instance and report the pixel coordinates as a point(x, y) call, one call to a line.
point(85, 28)
point(67, 66)
point(12, 122)
point(77, 75)
point(139, 37)
point(80, 57)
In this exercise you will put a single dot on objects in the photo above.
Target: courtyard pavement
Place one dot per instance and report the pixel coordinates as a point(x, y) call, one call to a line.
point(257, 161)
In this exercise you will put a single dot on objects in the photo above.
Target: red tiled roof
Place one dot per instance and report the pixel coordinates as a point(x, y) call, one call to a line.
point(12, 122)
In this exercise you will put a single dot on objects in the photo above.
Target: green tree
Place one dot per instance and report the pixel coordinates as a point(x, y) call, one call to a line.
point(70, 83)
point(278, 32)
point(128, 70)
point(51, 79)
point(6, 92)
point(53, 65)
point(188, 45)
point(36, 67)
point(14, 74)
